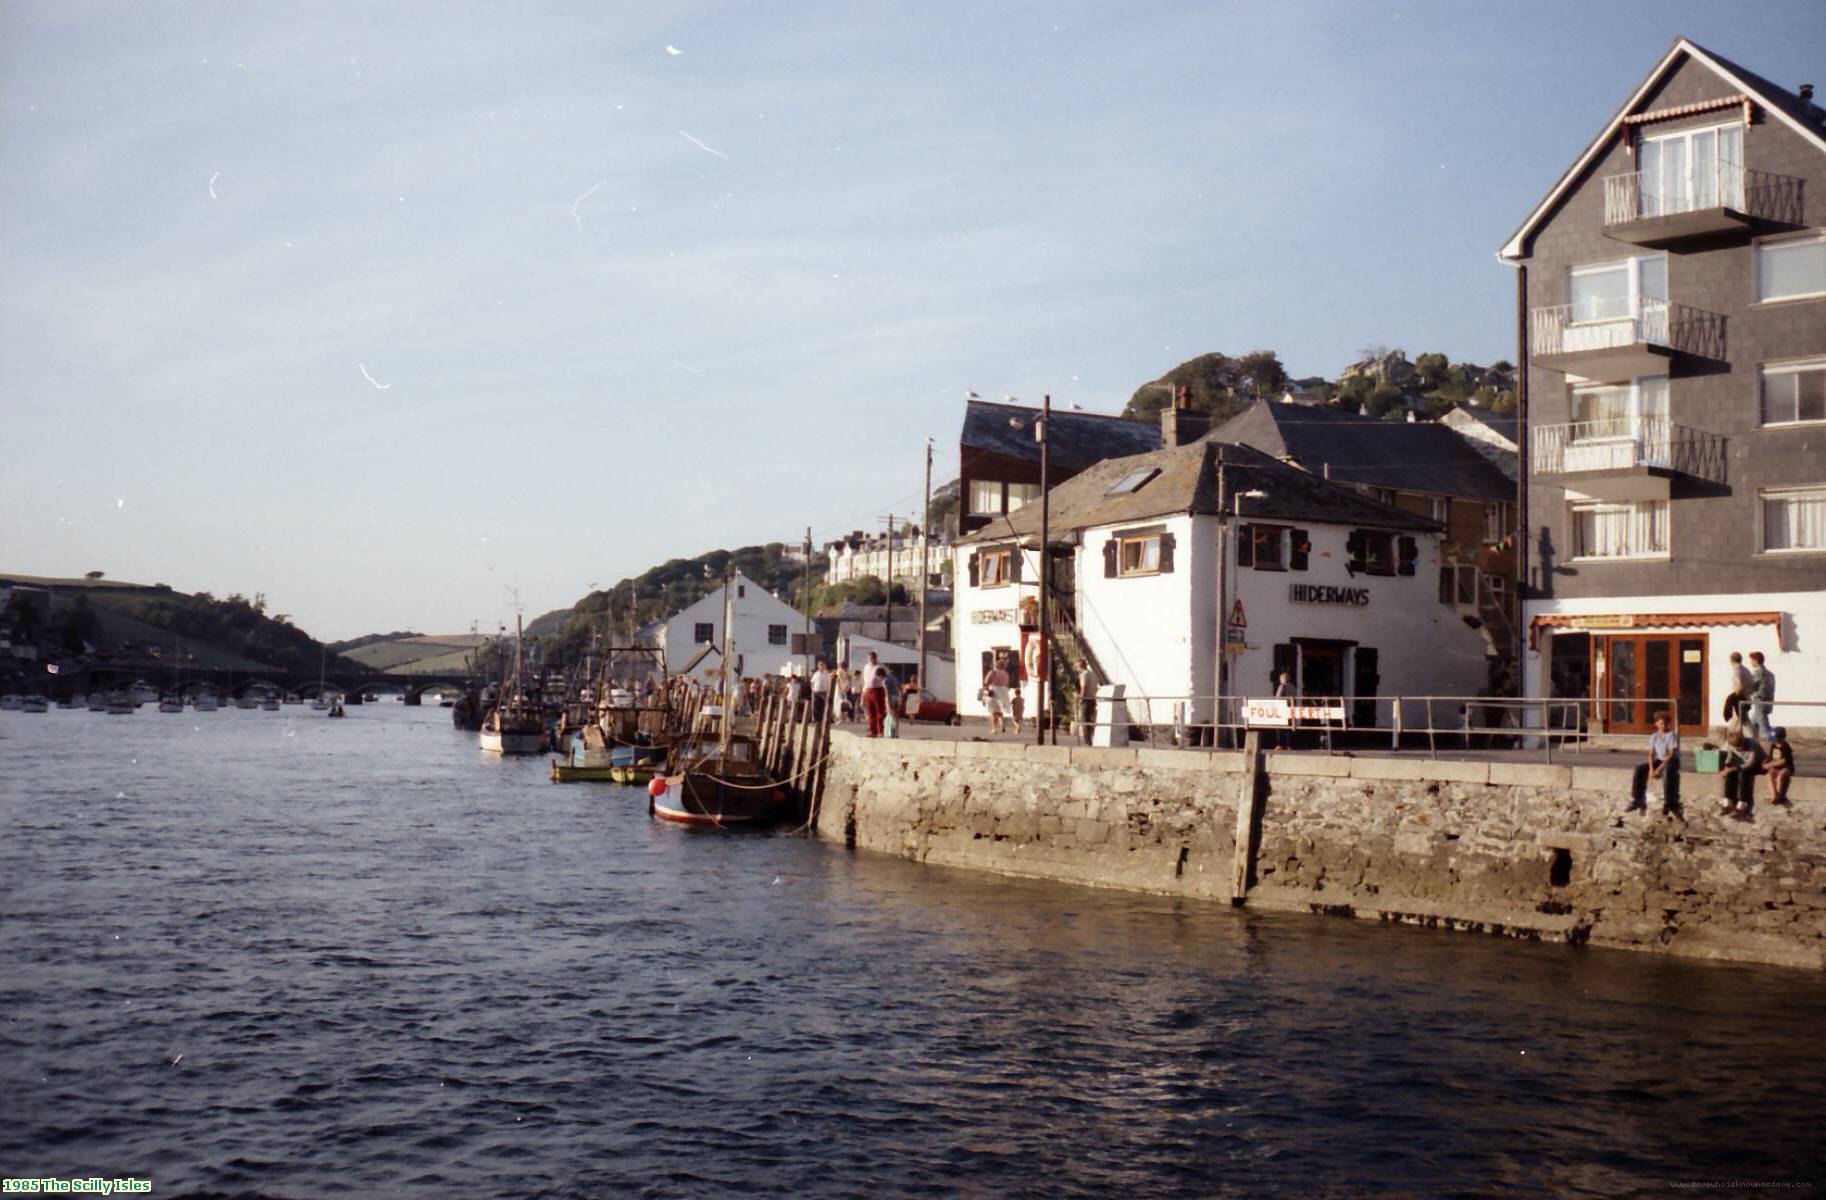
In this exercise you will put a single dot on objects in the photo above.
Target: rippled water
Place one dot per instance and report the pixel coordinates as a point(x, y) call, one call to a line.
point(275, 954)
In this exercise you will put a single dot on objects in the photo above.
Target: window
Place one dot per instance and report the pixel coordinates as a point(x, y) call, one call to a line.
point(985, 497)
point(1692, 169)
point(1794, 392)
point(1496, 523)
point(1371, 552)
point(1615, 291)
point(1133, 482)
point(776, 635)
point(1440, 509)
point(1620, 530)
point(1267, 547)
point(703, 633)
point(1020, 494)
point(1791, 267)
point(1138, 555)
point(993, 568)
point(1794, 519)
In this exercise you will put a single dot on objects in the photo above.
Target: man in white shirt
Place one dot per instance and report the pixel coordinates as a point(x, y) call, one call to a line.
point(821, 690)
point(875, 694)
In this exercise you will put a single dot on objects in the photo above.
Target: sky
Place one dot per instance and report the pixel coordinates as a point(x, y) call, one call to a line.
point(407, 314)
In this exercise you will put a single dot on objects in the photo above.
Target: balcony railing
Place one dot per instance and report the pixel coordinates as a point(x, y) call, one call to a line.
point(1645, 195)
point(1563, 329)
point(1628, 444)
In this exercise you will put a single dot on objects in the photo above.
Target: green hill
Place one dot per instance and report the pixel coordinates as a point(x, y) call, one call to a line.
point(418, 654)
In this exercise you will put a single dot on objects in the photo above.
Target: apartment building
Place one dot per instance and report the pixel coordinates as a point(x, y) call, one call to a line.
point(1671, 288)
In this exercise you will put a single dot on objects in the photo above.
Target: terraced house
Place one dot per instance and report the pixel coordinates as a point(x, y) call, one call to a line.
point(1672, 318)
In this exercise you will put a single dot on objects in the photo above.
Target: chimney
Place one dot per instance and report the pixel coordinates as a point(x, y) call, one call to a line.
point(1805, 92)
point(1179, 425)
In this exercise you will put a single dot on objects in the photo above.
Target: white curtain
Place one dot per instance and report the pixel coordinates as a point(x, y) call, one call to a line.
point(1795, 522)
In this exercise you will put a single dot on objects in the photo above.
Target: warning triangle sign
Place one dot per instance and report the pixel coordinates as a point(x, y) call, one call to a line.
point(1236, 615)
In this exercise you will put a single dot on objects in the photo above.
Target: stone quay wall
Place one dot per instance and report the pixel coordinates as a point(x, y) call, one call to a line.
point(1528, 850)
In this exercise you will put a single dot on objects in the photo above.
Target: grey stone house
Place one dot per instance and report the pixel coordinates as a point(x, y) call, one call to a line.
point(1671, 293)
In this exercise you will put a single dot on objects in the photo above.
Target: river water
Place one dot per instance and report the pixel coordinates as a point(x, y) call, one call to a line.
point(273, 954)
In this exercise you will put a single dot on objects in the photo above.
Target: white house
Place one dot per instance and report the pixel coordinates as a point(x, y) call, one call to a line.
point(1315, 579)
point(766, 631)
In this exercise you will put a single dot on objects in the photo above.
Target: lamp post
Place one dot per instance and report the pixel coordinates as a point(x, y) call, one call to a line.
point(1227, 535)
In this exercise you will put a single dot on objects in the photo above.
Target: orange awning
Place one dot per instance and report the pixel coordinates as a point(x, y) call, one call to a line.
point(1603, 622)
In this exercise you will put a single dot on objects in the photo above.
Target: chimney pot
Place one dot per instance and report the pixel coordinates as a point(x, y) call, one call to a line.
point(1806, 92)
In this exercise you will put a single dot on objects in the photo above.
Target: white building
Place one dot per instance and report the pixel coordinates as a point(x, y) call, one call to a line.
point(766, 632)
point(1329, 584)
point(895, 559)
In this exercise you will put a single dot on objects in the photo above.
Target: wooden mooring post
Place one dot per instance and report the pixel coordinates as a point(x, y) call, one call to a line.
point(1248, 817)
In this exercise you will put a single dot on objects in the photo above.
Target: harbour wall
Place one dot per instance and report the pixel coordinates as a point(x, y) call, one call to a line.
point(1522, 849)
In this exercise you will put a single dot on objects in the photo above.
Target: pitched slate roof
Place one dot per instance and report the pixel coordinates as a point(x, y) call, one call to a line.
point(1078, 438)
point(1789, 108)
point(1419, 456)
point(1187, 482)
point(1502, 424)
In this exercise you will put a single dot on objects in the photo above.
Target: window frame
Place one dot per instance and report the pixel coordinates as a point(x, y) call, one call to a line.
point(1005, 577)
point(1581, 554)
point(1261, 534)
point(780, 639)
point(1001, 498)
point(1010, 503)
point(1631, 265)
point(1763, 496)
point(1756, 266)
point(1368, 538)
point(703, 633)
point(1140, 542)
point(1783, 367)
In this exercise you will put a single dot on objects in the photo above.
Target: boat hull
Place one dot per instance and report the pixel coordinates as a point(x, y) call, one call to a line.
point(566, 773)
point(510, 743)
point(700, 799)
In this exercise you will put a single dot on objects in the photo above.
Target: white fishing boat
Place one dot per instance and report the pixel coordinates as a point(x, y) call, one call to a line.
point(513, 725)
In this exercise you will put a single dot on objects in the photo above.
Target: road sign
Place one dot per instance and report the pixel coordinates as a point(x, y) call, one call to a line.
point(1236, 615)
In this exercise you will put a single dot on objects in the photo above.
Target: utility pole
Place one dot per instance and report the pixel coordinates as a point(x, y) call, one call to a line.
point(925, 573)
point(808, 603)
point(890, 579)
point(1045, 658)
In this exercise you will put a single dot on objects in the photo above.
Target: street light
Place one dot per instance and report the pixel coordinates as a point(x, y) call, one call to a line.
point(1227, 539)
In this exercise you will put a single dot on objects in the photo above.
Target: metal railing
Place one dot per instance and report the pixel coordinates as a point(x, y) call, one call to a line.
point(1642, 195)
point(1432, 723)
point(1629, 442)
point(1576, 329)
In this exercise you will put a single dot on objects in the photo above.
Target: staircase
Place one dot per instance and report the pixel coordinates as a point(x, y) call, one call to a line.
point(1480, 606)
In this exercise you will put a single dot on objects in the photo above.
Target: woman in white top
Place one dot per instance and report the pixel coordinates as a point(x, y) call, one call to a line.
point(995, 689)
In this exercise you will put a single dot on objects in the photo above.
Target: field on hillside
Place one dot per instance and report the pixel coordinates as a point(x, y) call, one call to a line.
point(438, 654)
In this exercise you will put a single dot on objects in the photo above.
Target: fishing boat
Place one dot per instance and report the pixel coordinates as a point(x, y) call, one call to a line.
point(514, 725)
point(718, 781)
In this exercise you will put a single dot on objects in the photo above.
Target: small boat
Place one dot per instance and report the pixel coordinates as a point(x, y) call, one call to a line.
point(121, 704)
point(514, 725)
point(293, 698)
point(336, 710)
point(144, 693)
point(34, 703)
point(247, 702)
point(717, 783)
point(270, 704)
point(70, 702)
point(171, 704)
point(11, 703)
point(98, 702)
point(206, 703)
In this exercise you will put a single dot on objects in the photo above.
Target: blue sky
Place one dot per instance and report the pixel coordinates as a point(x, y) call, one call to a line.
point(395, 312)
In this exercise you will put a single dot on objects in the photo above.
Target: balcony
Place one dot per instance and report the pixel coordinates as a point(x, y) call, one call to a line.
point(1644, 208)
point(1616, 348)
point(1627, 458)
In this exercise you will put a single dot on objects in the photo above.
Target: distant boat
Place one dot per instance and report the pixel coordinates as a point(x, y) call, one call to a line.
point(98, 702)
point(34, 703)
point(143, 693)
point(70, 702)
point(270, 704)
point(205, 702)
point(171, 704)
point(121, 704)
point(11, 703)
point(514, 725)
point(247, 702)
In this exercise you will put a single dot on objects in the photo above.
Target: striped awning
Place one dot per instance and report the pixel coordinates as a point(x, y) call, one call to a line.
point(1604, 622)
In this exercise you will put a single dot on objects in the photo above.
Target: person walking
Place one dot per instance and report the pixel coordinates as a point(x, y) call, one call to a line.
point(1663, 764)
point(995, 693)
point(875, 694)
point(1762, 696)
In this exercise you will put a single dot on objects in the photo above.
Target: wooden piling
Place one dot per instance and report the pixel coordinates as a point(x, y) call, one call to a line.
point(1248, 801)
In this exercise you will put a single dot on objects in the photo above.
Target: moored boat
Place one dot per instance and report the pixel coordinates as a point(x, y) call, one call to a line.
point(11, 703)
point(121, 704)
point(34, 703)
point(717, 783)
point(171, 704)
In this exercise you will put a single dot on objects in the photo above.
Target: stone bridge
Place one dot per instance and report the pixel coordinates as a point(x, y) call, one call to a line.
point(236, 683)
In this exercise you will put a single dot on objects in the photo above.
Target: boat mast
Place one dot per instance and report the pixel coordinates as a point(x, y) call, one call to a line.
point(519, 692)
point(728, 653)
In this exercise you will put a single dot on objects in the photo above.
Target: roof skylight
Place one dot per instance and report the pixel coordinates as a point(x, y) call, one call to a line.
point(1129, 484)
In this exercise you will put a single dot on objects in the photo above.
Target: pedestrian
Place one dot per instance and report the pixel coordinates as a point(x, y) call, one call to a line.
point(821, 690)
point(1283, 690)
point(1017, 696)
point(890, 717)
point(1744, 760)
point(1762, 696)
point(1087, 703)
point(1781, 766)
point(995, 693)
point(1741, 688)
point(1663, 764)
point(875, 694)
point(855, 697)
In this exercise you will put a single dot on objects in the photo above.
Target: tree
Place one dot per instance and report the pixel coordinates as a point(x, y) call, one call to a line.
point(1385, 402)
point(1433, 370)
point(92, 575)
